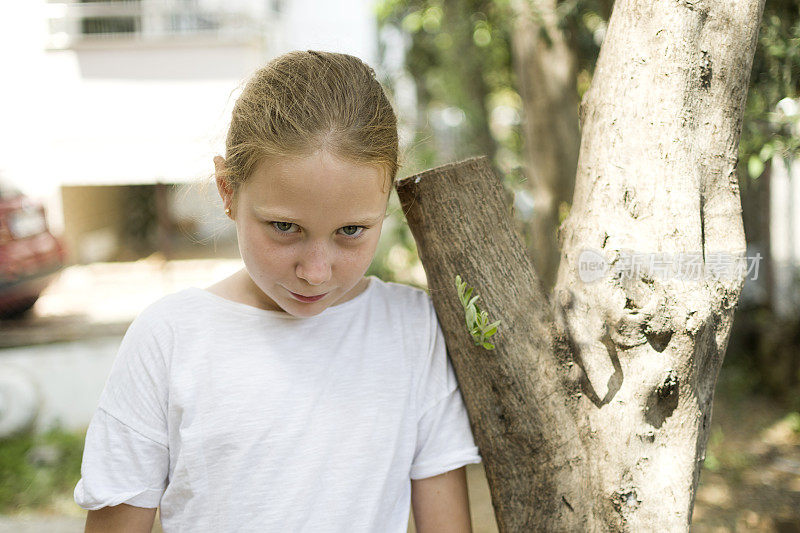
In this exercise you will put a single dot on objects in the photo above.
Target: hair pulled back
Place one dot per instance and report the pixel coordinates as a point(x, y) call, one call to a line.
point(303, 101)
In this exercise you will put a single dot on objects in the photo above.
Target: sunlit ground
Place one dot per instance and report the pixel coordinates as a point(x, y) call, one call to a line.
point(107, 292)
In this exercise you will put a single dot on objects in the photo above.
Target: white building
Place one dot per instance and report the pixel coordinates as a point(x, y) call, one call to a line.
point(100, 95)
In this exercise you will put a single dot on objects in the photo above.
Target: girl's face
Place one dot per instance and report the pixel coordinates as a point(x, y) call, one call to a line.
point(307, 227)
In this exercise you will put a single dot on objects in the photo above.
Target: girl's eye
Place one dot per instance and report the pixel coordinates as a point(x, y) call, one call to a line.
point(353, 231)
point(285, 228)
point(282, 227)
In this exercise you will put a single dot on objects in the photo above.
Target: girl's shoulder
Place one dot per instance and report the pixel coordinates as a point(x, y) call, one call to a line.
point(403, 305)
point(401, 295)
point(169, 308)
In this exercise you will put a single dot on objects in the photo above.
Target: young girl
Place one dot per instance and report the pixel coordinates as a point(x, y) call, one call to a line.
point(297, 394)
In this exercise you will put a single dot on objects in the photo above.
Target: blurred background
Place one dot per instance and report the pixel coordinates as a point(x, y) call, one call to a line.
point(113, 110)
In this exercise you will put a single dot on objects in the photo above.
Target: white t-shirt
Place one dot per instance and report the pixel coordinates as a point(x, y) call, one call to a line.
point(234, 418)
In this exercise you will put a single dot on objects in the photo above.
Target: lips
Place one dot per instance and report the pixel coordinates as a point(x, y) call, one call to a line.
point(307, 299)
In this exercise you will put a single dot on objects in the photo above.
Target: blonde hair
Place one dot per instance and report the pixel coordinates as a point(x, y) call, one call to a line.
point(303, 101)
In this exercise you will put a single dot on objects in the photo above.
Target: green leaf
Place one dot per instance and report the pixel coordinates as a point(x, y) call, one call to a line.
point(476, 320)
point(470, 315)
point(755, 166)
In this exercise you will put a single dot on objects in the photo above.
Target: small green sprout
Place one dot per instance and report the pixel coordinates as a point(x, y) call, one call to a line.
point(477, 320)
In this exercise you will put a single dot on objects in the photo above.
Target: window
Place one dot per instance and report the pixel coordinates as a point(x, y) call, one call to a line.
point(83, 21)
point(112, 17)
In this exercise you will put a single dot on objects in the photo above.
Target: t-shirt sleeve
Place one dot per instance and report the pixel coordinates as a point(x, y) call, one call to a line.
point(444, 436)
point(120, 466)
point(126, 452)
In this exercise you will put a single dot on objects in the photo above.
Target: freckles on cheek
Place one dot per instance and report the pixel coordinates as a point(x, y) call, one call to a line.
point(259, 246)
point(251, 243)
point(359, 257)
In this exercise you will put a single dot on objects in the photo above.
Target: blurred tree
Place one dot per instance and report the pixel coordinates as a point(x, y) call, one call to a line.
point(547, 74)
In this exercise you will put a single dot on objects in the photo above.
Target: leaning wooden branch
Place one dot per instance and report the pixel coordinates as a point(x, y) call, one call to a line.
point(522, 414)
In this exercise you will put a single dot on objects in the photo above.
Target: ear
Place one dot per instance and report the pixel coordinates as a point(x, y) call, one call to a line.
point(225, 189)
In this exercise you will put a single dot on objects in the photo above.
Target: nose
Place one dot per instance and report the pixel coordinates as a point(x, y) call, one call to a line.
point(314, 265)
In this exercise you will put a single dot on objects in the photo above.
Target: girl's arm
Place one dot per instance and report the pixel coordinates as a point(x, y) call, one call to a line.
point(122, 518)
point(441, 503)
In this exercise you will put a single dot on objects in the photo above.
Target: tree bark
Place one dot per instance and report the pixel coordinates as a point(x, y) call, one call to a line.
point(547, 73)
point(592, 413)
point(522, 412)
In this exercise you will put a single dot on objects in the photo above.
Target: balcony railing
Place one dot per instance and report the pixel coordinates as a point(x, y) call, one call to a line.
point(75, 22)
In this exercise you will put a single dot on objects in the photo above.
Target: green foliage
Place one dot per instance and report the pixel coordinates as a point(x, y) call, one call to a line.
point(477, 321)
point(34, 468)
point(776, 69)
point(460, 59)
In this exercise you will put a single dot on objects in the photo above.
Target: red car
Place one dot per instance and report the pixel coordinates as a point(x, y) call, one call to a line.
point(30, 256)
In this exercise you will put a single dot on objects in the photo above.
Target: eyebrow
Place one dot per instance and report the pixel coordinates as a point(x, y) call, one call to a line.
point(360, 221)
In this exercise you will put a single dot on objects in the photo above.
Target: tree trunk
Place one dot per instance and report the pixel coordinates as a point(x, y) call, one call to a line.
point(547, 72)
point(592, 412)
